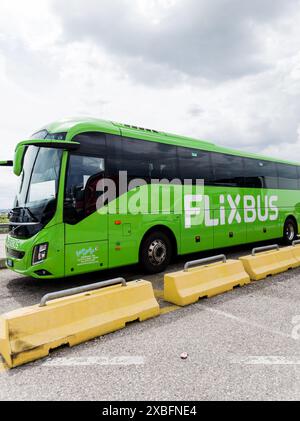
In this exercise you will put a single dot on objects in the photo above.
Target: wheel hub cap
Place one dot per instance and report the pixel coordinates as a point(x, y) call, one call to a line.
point(290, 232)
point(157, 252)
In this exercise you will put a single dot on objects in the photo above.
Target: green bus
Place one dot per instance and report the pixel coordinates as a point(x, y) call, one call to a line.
point(66, 220)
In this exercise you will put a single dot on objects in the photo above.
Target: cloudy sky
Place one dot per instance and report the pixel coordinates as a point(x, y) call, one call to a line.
point(221, 70)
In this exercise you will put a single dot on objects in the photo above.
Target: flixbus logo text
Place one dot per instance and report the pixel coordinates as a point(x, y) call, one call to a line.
point(229, 210)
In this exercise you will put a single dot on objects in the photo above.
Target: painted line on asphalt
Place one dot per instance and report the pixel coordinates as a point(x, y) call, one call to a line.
point(159, 294)
point(168, 309)
point(265, 360)
point(247, 322)
point(94, 361)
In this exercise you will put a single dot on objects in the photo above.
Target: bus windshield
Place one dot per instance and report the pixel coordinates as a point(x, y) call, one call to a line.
point(37, 194)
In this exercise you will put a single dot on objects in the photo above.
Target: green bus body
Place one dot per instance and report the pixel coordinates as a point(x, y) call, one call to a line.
point(235, 211)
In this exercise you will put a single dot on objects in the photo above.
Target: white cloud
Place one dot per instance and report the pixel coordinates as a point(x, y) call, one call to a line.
point(217, 40)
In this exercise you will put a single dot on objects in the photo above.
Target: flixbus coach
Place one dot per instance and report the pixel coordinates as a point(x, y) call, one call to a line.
point(56, 229)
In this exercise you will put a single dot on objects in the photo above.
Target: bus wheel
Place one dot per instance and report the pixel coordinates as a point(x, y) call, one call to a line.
point(155, 252)
point(290, 231)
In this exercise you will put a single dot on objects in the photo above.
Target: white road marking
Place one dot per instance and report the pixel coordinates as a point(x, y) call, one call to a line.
point(248, 322)
point(89, 361)
point(265, 360)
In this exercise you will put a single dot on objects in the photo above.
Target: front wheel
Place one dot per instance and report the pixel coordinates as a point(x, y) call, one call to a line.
point(155, 252)
point(290, 231)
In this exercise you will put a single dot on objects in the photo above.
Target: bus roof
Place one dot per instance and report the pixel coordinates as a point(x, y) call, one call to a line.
point(74, 126)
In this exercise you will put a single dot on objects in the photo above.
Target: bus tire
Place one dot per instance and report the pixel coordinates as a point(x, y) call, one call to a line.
point(290, 231)
point(155, 252)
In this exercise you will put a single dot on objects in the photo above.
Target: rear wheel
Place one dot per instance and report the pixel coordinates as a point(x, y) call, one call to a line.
point(290, 231)
point(155, 252)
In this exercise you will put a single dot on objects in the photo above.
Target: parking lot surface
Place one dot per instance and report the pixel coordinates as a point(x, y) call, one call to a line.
point(241, 345)
point(2, 245)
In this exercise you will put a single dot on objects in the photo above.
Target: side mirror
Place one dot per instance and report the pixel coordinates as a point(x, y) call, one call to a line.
point(6, 163)
point(19, 158)
point(21, 149)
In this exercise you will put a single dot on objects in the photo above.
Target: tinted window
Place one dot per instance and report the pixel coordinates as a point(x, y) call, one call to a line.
point(79, 201)
point(260, 174)
point(287, 176)
point(228, 170)
point(56, 136)
point(195, 164)
point(43, 134)
point(92, 143)
point(39, 135)
point(114, 157)
point(45, 175)
point(251, 175)
point(298, 172)
point(141, 159)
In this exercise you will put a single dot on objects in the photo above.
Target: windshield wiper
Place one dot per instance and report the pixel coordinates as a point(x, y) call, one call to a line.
point(23, 224)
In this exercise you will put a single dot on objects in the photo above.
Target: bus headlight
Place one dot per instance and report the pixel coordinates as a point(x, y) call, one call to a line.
point(40, 253)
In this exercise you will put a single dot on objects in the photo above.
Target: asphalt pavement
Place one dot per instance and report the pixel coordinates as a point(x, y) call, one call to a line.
point(242, 345)
point(2, 245)
point(2, 250)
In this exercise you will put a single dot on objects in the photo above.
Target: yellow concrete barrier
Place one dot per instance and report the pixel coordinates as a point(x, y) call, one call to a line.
point(73, 316)
point(187, 286)
point(269, 260)
point(295, 249)
point(287, 258)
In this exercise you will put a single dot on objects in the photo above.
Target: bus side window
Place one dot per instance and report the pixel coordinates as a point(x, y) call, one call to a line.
point(141, 159)
point(80, 170)
point(228, 170)
point(251, 175)
point(195, 164)
point(287, 176)
point(260, 174)
point(144, 159)
point(92, 143)
point(268, 172)
point(114, 157)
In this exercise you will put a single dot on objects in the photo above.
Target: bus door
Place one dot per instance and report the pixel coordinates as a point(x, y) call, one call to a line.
point(86, 229)
point(227, 200)
point(195, 234)
point(195, 169)
point(261, 200)
point(227, 216)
